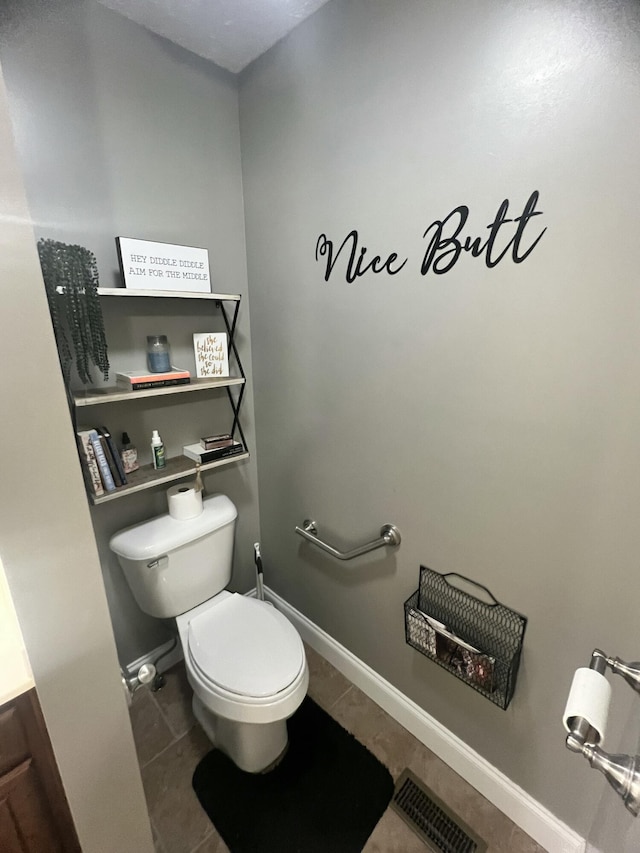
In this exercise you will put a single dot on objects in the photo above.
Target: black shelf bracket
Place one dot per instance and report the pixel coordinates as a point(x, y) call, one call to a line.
point(236, 403)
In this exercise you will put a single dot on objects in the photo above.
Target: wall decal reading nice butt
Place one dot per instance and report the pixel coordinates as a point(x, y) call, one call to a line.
point(445, 244)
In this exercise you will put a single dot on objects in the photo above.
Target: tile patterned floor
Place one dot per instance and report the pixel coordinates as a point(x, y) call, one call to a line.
point(170, 743)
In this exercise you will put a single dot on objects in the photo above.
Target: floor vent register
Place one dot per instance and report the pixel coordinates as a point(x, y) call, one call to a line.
point(429, 818)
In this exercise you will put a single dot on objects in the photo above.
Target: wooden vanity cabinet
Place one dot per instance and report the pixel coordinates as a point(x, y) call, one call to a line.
point(34, 813)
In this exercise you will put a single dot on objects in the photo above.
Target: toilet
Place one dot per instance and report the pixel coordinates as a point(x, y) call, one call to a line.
point(245, 661)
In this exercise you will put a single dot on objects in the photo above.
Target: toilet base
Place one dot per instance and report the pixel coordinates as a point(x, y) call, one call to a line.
point(253, 747)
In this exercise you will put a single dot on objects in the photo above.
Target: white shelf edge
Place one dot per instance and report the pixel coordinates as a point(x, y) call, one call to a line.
point(123, 491)
point(115, 395)
point(167, 294)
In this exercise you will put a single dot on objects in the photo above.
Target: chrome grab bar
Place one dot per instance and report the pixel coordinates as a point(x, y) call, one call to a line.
point(389, 535)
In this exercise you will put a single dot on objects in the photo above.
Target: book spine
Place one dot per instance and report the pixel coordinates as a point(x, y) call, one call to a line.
point(219, 453)
point(156, 383)
point(213, 442)
point(114, 453)
point(89, 464)
point(153, 377)
point(103, 465)
point(110, 460)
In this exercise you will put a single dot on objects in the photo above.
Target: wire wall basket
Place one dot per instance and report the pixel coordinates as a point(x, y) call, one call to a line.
point(479, 642)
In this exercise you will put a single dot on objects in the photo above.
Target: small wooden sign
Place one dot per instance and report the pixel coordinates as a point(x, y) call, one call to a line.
point(211, 353)
point(147, 265)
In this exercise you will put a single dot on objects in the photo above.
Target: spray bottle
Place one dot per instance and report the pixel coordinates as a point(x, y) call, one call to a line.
point(157, 450)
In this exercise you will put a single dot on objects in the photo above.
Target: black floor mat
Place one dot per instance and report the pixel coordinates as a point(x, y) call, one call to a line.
point(325, 796)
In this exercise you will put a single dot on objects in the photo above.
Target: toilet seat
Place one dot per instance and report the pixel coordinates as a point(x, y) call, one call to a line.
point(245, 648)
point(233, 706)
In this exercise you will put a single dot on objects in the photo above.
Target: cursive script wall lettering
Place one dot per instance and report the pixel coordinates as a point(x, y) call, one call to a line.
point(354, 265)
point(444, 247)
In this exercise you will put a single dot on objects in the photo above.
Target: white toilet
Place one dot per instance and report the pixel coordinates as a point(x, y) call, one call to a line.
point(245, 661)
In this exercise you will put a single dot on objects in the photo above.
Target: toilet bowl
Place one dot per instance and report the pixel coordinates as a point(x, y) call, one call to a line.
point(246, 665)
point(245, 661)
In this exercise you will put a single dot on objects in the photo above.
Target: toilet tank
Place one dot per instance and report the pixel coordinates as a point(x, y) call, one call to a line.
point(173, 565)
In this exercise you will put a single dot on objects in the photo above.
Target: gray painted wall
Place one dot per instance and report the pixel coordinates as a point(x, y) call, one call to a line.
point(492, 414)
point(48, 551)
point(136, 137)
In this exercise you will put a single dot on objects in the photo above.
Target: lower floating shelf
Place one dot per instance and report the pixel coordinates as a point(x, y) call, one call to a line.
point(147, 477)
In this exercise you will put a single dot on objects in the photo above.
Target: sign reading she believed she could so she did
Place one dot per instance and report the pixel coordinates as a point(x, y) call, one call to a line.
point(211, 352)
point(162, 266)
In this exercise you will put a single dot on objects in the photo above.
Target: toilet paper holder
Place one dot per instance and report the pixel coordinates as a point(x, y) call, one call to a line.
point(622, 771)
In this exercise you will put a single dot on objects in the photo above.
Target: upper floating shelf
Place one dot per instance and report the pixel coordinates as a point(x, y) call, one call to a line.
point(167, 294)
point(116, 395)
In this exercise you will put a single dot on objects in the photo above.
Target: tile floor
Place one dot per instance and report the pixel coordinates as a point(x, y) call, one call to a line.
point(170, 743)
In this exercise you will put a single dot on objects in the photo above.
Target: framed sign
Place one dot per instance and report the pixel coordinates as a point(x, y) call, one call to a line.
point(211, 354)
point(147, 265)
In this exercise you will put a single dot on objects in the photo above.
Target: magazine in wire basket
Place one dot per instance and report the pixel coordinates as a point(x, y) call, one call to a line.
point(478, 641)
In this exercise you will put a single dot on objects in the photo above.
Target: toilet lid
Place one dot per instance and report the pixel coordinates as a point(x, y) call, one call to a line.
point(245, 646)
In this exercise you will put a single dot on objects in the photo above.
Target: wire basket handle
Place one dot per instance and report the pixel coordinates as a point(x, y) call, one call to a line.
point(494, 601)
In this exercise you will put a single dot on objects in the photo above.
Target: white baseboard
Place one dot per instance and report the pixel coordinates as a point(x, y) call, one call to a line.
point(533, 818)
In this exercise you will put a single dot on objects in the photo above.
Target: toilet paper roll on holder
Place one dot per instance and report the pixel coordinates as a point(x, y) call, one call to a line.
point(622, 771)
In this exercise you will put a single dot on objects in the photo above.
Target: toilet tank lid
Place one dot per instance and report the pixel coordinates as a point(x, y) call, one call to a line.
point(156, 537)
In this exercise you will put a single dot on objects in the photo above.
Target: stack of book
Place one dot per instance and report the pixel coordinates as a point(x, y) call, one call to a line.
point(101, 463)
point(213, 447)
point(139, 380)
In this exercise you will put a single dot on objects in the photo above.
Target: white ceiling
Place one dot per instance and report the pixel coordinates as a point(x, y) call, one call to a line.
point(231, 33)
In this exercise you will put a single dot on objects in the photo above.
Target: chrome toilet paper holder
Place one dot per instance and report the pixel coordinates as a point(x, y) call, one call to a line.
point(622, 771)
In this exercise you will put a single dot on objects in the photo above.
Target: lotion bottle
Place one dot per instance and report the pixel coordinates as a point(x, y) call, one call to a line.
point(157, 450)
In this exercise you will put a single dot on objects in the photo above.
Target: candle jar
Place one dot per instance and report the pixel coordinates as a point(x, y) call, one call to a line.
point(158, 358)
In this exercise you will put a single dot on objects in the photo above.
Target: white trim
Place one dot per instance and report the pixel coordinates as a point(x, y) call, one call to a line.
point(533, 818)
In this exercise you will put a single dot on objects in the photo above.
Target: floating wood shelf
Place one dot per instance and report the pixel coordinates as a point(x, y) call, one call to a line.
point(168, 294)
point(146, 477)
point(95, 397)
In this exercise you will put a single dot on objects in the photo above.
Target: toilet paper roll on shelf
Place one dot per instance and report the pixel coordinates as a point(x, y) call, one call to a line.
point(589, 698)
point(185, 501)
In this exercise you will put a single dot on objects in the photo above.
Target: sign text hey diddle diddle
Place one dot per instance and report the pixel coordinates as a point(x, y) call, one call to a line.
point(445, 243)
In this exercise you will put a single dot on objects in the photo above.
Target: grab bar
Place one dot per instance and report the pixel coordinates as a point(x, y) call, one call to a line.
point(389, 535)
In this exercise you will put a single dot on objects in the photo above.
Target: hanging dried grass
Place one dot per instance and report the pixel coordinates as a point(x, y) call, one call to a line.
point(71, 280)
